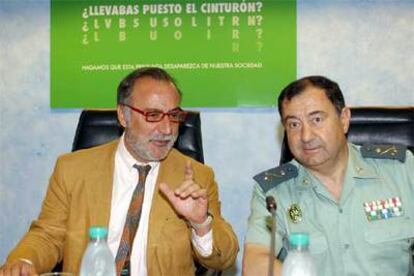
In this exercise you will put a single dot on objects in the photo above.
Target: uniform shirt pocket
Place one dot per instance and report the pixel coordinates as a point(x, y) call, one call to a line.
point(386, 233)
point(389, 241)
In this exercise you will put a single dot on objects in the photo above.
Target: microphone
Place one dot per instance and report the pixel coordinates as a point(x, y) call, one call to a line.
point(271, 206)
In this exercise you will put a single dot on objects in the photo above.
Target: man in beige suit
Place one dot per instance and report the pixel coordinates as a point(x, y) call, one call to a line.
point(180, 219)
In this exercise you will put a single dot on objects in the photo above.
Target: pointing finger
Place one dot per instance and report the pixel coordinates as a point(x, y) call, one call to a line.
point(188, 170)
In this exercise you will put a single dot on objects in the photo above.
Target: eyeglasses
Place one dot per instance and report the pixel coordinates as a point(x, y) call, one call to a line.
point(176, 115)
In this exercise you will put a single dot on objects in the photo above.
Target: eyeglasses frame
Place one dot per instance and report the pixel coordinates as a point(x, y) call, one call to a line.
point(168, 114)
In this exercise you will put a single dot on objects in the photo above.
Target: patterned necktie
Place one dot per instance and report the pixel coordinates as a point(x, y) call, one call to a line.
point(131, 223)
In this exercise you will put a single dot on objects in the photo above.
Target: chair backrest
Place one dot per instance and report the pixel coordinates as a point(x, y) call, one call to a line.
point(374, 125)
point(96, 127)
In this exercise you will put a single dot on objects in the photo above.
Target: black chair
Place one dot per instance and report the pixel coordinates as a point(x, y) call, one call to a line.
point(374, 125)
point(96, 127)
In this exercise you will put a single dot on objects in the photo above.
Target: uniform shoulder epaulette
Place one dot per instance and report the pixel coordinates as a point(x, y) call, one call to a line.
point(273, 177)
point(396, 152)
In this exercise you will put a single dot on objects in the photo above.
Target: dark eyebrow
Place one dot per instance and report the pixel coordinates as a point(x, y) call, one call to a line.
point(289, 117)
point(317, 112)
point(175, 109)
point(313, 113)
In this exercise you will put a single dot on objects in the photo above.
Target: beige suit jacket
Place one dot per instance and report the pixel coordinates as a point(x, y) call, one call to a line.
point(79, 195)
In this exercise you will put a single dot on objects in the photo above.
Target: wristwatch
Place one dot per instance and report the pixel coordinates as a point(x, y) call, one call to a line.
point(198, 226)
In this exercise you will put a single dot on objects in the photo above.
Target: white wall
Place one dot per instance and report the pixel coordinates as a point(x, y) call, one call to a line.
point(366, 46)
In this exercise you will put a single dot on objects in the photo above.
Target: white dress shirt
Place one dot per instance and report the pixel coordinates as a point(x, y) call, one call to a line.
point(124, 182)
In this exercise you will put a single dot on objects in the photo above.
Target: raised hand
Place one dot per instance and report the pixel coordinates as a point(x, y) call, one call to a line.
point(189, 200)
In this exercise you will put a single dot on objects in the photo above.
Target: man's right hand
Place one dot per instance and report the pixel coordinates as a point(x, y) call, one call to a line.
point(18, 268)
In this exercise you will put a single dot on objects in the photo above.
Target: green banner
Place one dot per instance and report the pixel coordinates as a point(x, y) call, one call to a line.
point(222, 53)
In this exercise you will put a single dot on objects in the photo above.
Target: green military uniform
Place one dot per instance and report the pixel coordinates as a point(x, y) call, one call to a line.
point(370, 229)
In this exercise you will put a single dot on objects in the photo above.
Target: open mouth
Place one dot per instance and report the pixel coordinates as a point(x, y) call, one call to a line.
point(160, 143)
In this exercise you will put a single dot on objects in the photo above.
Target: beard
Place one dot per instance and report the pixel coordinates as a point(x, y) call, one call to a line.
point(141, 146)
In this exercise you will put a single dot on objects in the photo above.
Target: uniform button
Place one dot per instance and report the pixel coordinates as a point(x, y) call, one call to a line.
point(346, 246)
point(305, 181)
point(341, 210)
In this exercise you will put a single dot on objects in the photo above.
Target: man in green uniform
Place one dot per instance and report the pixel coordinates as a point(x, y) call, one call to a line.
point(357, 203)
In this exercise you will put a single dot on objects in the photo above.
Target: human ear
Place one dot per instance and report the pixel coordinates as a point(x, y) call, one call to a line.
point(345, 118)
point(120, 110)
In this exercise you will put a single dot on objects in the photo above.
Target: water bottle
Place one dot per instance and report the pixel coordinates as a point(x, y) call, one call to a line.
point(97, 259)
point(298, 262)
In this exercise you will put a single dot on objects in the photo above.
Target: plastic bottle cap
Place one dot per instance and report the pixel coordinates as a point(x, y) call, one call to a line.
point(98, 232)
point(299, 239)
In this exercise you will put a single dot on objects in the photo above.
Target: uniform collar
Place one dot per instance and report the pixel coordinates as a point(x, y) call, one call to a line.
point(357, 166)
point(306, 179)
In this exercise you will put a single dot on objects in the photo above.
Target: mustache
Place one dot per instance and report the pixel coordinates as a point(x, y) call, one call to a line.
point(311, 144)
point(161, 137)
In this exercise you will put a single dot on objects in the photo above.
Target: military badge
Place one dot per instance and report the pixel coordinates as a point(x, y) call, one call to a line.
point(383, 208)
point(396, 152)
point(295, 213)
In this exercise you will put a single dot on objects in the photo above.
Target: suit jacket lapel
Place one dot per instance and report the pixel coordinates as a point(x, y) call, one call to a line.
point(161, 210)
point(170, 171)
point(167, 174)
point(99, 187)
